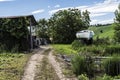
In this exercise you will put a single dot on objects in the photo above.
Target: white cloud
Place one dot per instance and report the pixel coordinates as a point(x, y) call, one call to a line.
point(94, 22)
point(100, 8)
point(38, 11)
point(97, 14)
point(5, 0)
point(54, 11)
point(82, 7)
point(107, 21)
point(57, 6)
point(101, 21)
point(104, 7)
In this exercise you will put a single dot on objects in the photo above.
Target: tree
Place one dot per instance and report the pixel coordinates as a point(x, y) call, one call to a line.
point(117, 24)
point(64, 24)
point(42, 28)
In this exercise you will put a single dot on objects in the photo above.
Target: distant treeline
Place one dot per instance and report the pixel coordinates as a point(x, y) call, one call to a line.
point(100, 25)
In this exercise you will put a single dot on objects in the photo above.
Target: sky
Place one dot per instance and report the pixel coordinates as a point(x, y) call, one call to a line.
point(101, 11)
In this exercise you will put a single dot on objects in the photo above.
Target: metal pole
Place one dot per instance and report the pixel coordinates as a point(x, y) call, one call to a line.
point(31, 40)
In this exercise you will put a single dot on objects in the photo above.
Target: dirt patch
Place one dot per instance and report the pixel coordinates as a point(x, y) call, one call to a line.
point(59, 67)
point(30, 69)
point(45, 71)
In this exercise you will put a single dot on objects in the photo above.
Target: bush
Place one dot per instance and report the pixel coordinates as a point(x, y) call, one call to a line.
point(15, 49)
point(103, 41)
point(81, 65)
point(83, 77)
point(112, 49)
point(79, 47)
point(105, 77)
point(117, 77)
point(95, 49)
point(112, 66)
point(76, 44)
point(3, 48)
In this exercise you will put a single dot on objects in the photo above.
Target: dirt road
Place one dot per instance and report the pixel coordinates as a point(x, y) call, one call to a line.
point(30, 69)
point(40, 58)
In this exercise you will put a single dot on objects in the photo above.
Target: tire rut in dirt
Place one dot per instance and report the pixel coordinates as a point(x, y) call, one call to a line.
point(45, 71)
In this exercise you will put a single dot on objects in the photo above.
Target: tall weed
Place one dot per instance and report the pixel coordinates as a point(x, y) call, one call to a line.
point(112, 49)
point(81, 65)
point(112, 66)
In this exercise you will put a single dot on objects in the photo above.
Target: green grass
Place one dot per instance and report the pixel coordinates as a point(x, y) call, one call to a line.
point(12, 65)
point(63, 49)
point(108, 31)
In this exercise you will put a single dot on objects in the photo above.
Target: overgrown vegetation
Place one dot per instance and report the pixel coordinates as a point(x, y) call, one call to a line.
point(12, 65)
point(14, 33)
point(112, 66)
point(82, 65)
point(83, 77)
point(79, 65)
point(112, 49)
point(105, 46)
point(96, 49)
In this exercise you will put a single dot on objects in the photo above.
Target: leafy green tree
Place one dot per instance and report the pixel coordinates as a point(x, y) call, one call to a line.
point(42, 28)
point(64, 24)
point(86, 18)
point(117, 24)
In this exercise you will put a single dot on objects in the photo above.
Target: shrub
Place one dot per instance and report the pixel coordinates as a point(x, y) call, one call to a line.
point(112, 66)
point(117, 77)
point(82, 65)
point(2, 48)
point(78, 65)
point(83, 77)
point(103, 41)
point(79, 47)
point(112, 49)
point(76, 44)
point(15, 49)
point(105, 77)
point(95, 49)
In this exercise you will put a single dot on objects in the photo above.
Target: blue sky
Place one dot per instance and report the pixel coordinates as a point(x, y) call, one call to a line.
point(102, 11)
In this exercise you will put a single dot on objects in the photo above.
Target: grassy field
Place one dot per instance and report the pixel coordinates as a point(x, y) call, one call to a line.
point(64, 49)
point(12, 65)
point(108, 31)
